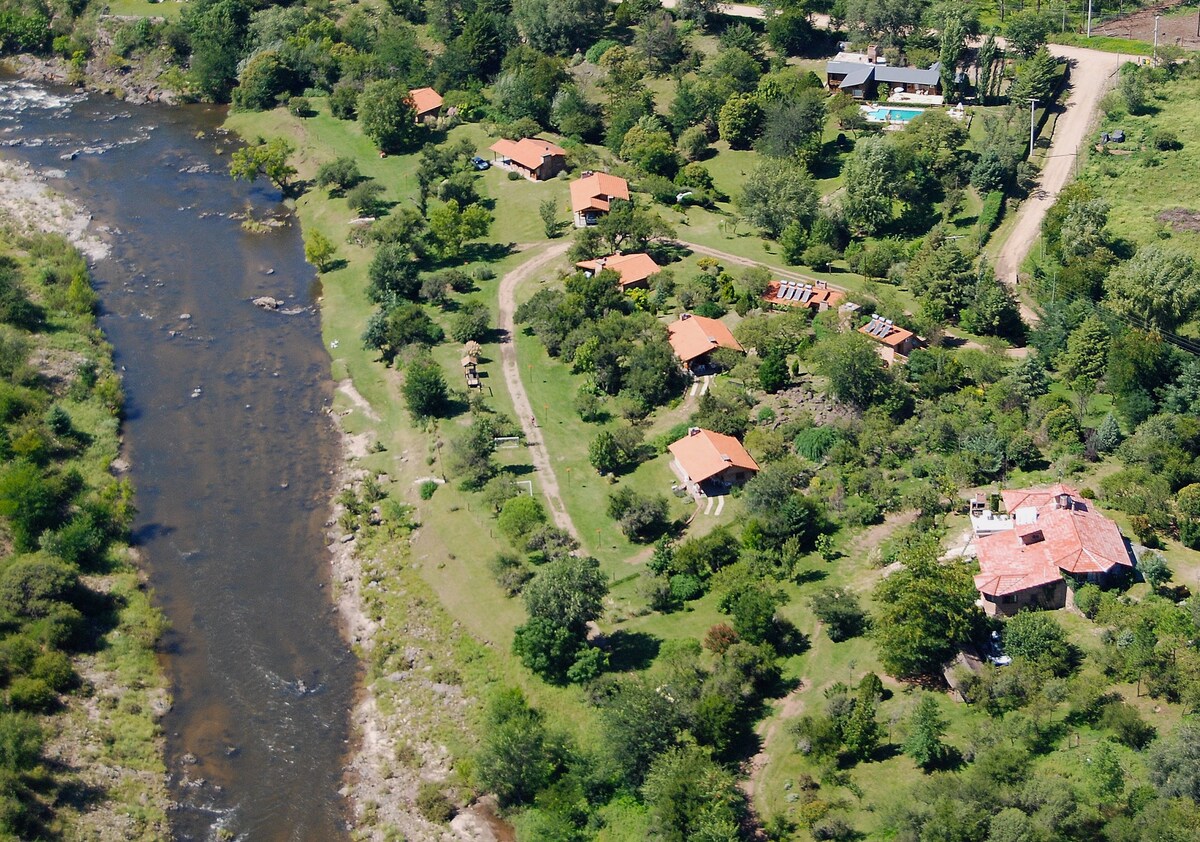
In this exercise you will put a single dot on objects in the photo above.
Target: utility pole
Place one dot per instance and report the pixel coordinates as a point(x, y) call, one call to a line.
point(1032, 102)
point(1156, 19)
point(1089, 34)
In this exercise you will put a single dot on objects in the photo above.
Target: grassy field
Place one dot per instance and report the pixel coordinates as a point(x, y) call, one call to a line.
point(1141, 183)
point(169, 9)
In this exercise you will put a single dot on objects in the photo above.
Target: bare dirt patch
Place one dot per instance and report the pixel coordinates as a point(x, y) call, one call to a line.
point(1180, 219)
point(1173, 30)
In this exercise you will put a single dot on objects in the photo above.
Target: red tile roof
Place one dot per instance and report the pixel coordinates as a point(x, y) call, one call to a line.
point(633, 268)
point(1070, 538)
point(528, 151)
point(694, 336)
point(425, 99)
point(703, 454)
point(595, 192)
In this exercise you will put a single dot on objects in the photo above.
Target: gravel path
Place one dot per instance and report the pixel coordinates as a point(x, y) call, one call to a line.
point(512, 379)
point(1092, 74)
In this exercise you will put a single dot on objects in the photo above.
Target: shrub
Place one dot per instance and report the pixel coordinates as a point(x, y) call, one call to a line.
point(641, 517)
point(32, 694)
point(343, 102)
point(1087, 600)
point(1165, 140)
point(434, 804)
point(520, 517)
point(598, 49)
point(427, 489)
point(992, 211)
point(510, 572)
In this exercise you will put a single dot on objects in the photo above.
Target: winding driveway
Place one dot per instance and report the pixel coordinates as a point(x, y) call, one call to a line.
point(1091, 76)
point(516, 388)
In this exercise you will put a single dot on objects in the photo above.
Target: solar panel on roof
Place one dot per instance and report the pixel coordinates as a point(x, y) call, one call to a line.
point(807, 294)
point(789, 293)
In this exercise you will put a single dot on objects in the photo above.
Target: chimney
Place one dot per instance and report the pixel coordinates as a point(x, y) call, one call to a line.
point(872, 53)
point(693, 431)
point(685, 316)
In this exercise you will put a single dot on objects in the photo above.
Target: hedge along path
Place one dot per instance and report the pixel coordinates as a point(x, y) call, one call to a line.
point(520, 398)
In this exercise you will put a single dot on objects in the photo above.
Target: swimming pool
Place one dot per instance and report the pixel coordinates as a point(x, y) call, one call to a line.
point(891, 114)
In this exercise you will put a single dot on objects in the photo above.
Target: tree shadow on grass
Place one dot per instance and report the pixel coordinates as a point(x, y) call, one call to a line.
point(631, 650)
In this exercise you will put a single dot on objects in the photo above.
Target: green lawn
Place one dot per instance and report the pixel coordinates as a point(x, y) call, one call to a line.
point(1142, 184)
point(169, 9)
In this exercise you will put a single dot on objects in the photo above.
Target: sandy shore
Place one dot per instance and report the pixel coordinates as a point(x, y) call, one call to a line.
point(29, 205)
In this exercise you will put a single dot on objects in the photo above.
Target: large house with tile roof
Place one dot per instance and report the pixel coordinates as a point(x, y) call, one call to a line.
point(532, 157)
point(1046, 536)
point(711, 463)
point(634, 270)
point(593, 194)
point(693, 338)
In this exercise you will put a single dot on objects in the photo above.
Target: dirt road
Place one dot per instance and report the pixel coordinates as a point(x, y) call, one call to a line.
point(1092, 74)
point(512, 379)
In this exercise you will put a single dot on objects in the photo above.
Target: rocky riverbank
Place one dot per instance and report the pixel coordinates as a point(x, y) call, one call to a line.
point(136, 84)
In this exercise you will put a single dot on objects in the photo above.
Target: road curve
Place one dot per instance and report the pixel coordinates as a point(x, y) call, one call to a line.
point(516, 388)
point(1092, 75)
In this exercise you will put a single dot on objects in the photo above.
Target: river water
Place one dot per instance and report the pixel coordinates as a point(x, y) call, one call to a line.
point(231, 454)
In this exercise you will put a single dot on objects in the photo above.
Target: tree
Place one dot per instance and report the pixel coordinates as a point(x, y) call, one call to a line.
point(641, 517)
point(692, 798)
point(925, 729)
point(740, 120)
point(839, 611)
point(569, 592)
point(217, 31)
point(548, 211)
point(627, 227)
point(872, 174)
point(1086, 355)
point(1174, 763)
point(339, 174)
point(659, 40)
point(752, 607)
point(649, 147)
point(1036, 636)
point(925, 611)
point(773, 373)
point(520, 517)
point(470, 323)
point(794, 126)
point(425, 392)
point(640, 723)
point(1027, 32)
point(264, 157)
point(559, 26)
point(776, 194)
point(1158, 287)
point(1108, 434)
point(1036, 77)
point(1155, 570)
point(451, 226)
point(261, 81)
point(856, 373)
point(386, 113)
point(605, 454)
point(318, 250)
point(862, 733)
point(514, 758)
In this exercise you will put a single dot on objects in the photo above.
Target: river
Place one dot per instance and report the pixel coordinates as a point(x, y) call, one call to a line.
point(232, 454)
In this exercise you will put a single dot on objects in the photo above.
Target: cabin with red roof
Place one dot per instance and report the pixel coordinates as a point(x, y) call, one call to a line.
point(817, 296)
point(895, 343)
point(1046, 537)
point(693, 338)
point(711, 463)
point(426, 102)
point(634, 269)
point(592, 196)
point(532, 157)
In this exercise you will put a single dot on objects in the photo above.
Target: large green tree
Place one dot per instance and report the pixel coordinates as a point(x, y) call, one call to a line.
point(559, 26)
point(386, 112)
point(1159, 287)
point(777, 194)
point(925, 611)
point(217, 31)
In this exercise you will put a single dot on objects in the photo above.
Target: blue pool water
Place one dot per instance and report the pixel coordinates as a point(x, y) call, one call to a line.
point(888, 113)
